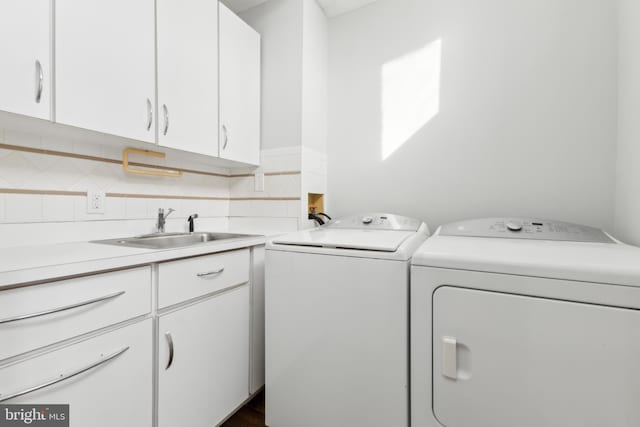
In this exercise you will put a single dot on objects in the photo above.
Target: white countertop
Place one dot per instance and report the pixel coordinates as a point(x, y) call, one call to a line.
point(28, 264)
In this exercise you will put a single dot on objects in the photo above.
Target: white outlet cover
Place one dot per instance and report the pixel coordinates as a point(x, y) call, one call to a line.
point(96, 201)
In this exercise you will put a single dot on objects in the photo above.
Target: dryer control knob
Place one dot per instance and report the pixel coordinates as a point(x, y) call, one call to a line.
point(367, 220)
point(514, 226)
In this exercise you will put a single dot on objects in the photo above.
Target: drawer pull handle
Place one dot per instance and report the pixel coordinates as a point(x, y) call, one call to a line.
point(63, 377)
point(170, 342)
point(60, 309)
point(210, 274)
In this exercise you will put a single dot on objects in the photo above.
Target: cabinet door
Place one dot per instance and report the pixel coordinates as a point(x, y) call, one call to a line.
point(204, 361)
point(25, 57)
point(105, 66)
point(239, 89)
point(504, 360)
point(188, 75)
point(113, 385)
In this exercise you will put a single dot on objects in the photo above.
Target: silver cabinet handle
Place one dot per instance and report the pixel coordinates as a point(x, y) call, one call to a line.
point(59, 309)
point(170, 342)
point(226, 137)
point(165, 110)
point(209, 274)
point(64, 377)
point(149, 114)
point(39, 81)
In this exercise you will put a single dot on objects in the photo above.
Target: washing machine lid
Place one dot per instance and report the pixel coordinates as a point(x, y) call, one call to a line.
point(374, 235)
point(353, 239)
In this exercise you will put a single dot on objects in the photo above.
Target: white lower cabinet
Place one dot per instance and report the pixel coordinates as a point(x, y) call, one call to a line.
point(203, 360)
point(113, 385)
point(34, 317)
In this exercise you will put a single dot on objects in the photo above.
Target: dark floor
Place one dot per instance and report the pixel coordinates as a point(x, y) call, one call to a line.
point(250, 415)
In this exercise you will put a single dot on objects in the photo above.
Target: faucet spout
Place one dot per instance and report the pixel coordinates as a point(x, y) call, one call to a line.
point(162, 219)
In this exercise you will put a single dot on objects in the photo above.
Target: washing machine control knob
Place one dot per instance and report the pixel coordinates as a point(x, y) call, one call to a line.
point(514, 226)
point(367, 220)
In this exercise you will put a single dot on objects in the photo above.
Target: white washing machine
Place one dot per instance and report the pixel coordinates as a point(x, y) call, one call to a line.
point(337, 310)
point(525, 323)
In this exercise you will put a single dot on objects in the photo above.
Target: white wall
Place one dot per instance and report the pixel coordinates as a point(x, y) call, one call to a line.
point(44, 177)
point(294, 72)
point(315, 79)
point(315, 100)
point(628, 177)
point(508, 108)
point(279, 22)
point(295, 88)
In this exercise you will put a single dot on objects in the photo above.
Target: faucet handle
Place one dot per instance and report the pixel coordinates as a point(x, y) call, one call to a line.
point(191, 222)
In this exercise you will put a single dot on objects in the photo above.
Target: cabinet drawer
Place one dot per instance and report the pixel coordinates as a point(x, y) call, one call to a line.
point(187, 279)
point(112, 385)
point(37, 316)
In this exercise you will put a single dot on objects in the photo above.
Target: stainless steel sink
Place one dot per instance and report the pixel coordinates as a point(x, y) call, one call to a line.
point(170, 240)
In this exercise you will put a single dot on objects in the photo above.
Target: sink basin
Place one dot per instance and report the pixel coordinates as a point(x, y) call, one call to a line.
point(170, 240)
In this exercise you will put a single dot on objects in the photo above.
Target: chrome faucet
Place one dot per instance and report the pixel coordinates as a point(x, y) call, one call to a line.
point(162, 219)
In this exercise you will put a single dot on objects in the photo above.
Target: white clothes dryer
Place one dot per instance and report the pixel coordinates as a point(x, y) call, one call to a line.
point(525, 323)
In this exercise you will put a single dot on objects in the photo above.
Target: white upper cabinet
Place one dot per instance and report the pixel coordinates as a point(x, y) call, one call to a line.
point(25, 57)
point(239, 89)
point(105, 66)
point(188, 75)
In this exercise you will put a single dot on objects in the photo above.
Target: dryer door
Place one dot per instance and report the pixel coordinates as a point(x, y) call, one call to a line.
point(503, 360)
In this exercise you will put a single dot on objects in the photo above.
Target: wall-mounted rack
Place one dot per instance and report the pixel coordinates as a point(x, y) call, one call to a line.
point(149, 153)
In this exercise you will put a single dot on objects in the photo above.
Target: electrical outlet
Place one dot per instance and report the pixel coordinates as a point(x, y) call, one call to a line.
point(259, 177)
point(96, 201)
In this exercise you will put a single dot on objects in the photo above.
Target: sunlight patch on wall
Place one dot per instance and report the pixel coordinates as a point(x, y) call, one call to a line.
point(410, 95)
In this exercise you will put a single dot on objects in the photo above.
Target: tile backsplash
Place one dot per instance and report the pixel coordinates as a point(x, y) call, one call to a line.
point(44, 181)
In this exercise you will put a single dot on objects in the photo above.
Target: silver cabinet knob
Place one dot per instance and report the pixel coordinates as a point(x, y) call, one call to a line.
point(226, 137)
point(39, 81)
point(165, 110)
point(149, 114)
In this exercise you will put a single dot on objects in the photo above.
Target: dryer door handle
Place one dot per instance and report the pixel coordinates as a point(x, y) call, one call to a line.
point(450, 357)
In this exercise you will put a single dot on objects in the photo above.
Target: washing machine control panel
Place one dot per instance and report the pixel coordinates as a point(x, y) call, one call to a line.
point(377, 222)
point(526, 229)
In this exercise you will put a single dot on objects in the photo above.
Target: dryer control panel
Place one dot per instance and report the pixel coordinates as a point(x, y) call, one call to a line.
point(377, 221)
point(526, 229)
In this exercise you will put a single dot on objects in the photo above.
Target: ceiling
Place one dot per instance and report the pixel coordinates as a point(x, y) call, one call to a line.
point(241, 5)
point(331, 7)
point(338, 7)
